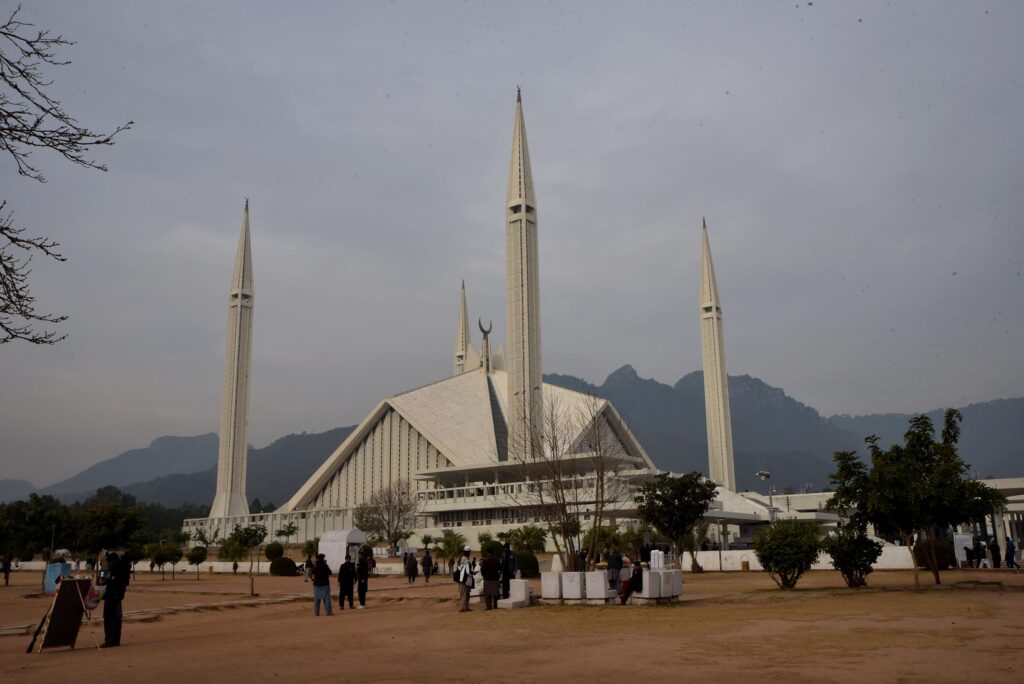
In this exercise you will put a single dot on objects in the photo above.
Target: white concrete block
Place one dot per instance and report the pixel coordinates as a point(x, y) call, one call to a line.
point(519, 590)
point(652, 586)
point(573, 587)
point(597, 586)
point(551, 585)
point(665, 576)
point(677, 582)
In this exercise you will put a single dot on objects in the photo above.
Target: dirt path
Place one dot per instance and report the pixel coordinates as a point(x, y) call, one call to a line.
point(744, 631)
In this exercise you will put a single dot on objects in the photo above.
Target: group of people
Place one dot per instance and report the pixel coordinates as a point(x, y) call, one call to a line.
point(352, 578)
point(978, 554)
point(411, 566)
point(496, 572)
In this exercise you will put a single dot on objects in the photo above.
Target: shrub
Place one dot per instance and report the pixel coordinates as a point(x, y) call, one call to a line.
point(273, 551)
point(197, 555)
point(491, 545)
point(787, 549)
point(282, 566)
point(311, 546)
point(925, 550)
point(528, 565)
point(853, 553)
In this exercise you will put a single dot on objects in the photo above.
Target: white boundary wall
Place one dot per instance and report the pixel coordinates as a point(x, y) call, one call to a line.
point(892, 558)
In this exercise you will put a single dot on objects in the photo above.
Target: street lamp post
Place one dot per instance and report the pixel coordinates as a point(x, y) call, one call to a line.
point(766, 476)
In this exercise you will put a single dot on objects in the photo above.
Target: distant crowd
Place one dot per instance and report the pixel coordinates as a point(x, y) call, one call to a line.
point(982, 555)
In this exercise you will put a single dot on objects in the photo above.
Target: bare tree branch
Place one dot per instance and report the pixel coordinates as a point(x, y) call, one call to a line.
point(31, 118)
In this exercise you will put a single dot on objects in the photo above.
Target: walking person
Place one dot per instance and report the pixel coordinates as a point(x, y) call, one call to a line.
point(428, 566)
point(1011, 554)
point(362, 578)
point(994, 548)
point(491, 572)
point(411, 568)
point(116, 581)
point(5, 565)
point(509, 566)
point(614, 570)
point(346, 581)
point(321, 585)
point(464, 577)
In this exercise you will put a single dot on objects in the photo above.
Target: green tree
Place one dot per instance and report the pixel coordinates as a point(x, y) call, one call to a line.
point(673, 505)
point(449, 547)
point(229, 550)
point(160, 554)
point(853, 552)
point(484, 538)
point(528, 538)
point(196, 556)
point(426, 540)
point(107, 526)
point(248, 540)
point(787, 549)
point(607, 538)
point(311, 547)
point(202, 538)
point(287, 531)
point(918, 488)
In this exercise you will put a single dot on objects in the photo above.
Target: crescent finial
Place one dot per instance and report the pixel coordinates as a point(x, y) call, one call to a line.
point(480, 322)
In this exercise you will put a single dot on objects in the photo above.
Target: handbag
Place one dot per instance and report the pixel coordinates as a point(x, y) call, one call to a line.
point(94, 596)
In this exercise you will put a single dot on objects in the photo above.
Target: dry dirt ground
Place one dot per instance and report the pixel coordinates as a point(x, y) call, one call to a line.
point(738, 628)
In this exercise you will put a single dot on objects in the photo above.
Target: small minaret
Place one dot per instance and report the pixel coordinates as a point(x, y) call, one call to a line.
point(485, 346)
point(234, 409)
point(716, 382)
point(522, 295)
point(462, 336)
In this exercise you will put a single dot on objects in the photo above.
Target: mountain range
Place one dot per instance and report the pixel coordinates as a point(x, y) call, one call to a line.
point(771, 431)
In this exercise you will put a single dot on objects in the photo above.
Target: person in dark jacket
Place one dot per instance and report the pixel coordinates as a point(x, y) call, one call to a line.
point(428, 566)
point(411, 568)
point(362, 578)
point(1011, 554)
point(490, 571)
point(321, 585)
point(994, 548)
point(614, 569)
point(509, 566)
point(346, 581)
point(116, 581)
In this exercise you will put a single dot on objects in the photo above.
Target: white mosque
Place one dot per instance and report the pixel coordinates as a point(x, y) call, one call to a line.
point(466, 442)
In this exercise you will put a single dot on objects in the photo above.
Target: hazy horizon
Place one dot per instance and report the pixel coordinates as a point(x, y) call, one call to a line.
point(859, 166)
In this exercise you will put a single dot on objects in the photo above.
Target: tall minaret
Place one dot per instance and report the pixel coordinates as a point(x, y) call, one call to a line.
point(234, 407)
point(522, 295)
point(462, 335)
point(716, 383)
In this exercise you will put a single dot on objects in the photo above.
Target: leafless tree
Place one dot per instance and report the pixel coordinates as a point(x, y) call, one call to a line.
point(31, 119)
point(390, 514)
point(572, 473)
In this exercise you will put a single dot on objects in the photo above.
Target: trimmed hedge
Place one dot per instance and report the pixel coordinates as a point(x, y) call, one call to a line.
point(283, 567)
point(273, 551)
point(529, 567)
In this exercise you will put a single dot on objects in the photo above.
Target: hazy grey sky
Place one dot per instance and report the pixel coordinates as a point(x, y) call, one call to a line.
point(860, 165)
